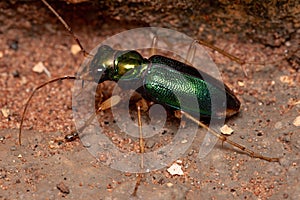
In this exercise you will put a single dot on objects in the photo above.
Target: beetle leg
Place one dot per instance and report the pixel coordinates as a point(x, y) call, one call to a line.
point(141, 140)
point(191, 52)
point(108, 103)
point(142, 150)
point(232, 143)
point(224, 53)
point(154, 45)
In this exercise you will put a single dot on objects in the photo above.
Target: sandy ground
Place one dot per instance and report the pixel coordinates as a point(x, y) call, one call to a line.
point(45, 167)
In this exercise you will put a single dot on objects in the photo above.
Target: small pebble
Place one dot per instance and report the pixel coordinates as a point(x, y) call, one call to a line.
point(103, 158)
point(179, 161)
point(288, 43)
point(75, 49)
point(226, 130)
point(16, 74)
point(169, 184)
point(5, 112)
point(23, 80)
point(278, 125)
point(184, 141)
point(287, 138)
point(14, 45)
point(63, 188)
point(175, 169)
point(241, 83)
point(87, 145)
point(259, 133)
point(150, 144)
point(286, 79)
point(296, 122)
point(40, 67)
point(191, 152)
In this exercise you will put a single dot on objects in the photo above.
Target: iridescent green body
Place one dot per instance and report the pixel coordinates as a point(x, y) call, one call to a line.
point(165, 81)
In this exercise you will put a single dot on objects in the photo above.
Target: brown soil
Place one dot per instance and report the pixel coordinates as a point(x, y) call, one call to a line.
point(45, 168)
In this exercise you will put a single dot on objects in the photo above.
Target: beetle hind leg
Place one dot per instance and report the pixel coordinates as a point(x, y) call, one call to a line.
point(191, 52)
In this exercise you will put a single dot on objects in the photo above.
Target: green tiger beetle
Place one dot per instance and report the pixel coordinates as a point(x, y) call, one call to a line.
point(159, 77)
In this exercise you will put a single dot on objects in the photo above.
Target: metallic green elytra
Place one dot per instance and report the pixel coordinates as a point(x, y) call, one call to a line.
point(163, 80)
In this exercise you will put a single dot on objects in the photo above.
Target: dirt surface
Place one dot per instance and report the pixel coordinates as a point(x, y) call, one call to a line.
point(46, 167)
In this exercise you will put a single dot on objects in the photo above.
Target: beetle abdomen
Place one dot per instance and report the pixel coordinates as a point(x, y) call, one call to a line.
point(180, 86)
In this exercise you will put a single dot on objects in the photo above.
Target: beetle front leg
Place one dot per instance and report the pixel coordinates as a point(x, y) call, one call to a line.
point(112, 101)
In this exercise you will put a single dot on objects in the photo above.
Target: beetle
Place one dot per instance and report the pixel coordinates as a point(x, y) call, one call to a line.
point(162, 80)
point(159, 79)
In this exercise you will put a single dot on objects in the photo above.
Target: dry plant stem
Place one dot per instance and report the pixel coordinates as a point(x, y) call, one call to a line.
point(225, 139)
point(30, 97)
